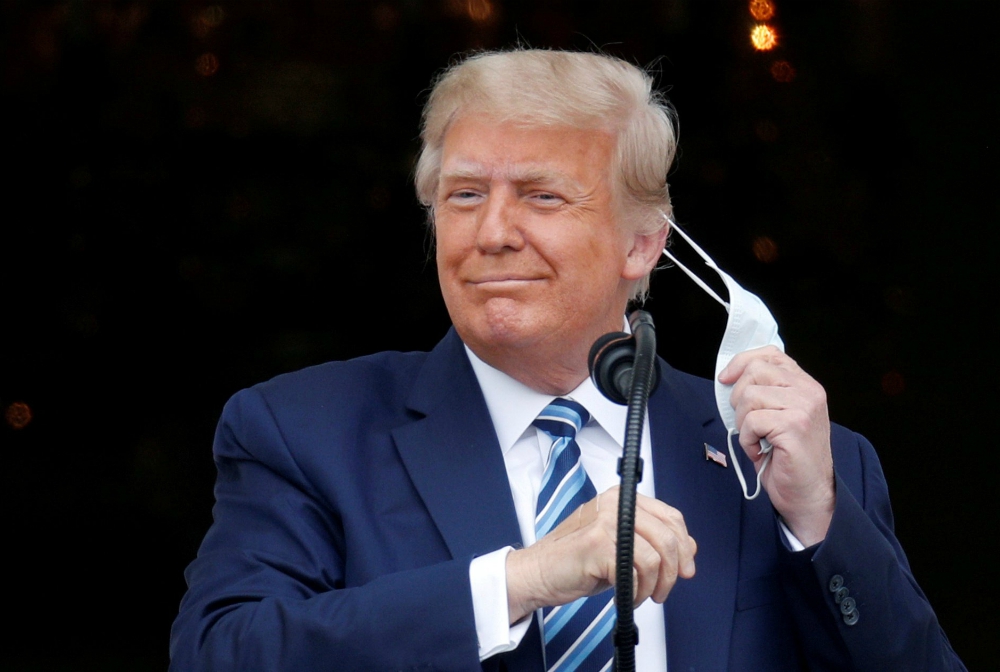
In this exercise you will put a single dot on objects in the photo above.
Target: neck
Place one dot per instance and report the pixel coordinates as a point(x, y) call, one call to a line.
point(555, 370)
point(557, 381)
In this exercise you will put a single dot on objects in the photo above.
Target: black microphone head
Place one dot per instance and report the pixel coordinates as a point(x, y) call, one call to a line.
point(610, 362)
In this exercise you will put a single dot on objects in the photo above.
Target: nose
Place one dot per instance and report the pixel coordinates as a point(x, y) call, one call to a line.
point(499, 227)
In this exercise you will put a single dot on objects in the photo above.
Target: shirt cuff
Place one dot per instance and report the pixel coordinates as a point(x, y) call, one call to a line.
point(792, 540)
point(488, 577)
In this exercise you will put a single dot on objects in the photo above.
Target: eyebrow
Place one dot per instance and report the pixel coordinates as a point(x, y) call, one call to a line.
point(528, 175)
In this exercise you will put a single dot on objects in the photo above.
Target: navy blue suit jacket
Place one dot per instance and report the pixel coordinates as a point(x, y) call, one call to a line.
point(352, 496)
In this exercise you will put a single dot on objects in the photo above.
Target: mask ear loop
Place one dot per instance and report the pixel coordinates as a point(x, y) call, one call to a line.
point(701, 253)
point(739, 469)
point(765, 445)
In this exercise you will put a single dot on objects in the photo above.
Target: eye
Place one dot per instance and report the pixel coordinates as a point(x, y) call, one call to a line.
point(464, 197)
point(546, 199)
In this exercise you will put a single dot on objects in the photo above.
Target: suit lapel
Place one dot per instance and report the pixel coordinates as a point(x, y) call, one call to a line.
point(699, 611)
point(453, 457)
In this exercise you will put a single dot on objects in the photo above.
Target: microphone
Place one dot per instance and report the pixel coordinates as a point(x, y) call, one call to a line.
point(625, 369)
point(611, 361)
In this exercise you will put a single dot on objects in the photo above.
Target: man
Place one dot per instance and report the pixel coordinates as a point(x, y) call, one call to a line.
point(386, 512)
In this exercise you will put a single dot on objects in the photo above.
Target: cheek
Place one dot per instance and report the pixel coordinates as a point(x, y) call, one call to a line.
point(603, 274)
point(449, 256)
point(448, 248)
point(602, 257)
point(447, 271)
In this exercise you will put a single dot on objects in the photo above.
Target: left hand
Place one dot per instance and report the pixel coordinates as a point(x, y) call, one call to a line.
point(777, 400)
point(579, 557)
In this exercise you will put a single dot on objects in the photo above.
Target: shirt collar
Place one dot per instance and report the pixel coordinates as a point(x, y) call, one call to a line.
point(513, 406)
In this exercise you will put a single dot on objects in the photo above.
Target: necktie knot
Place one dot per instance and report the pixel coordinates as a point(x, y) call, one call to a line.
point(562, 418)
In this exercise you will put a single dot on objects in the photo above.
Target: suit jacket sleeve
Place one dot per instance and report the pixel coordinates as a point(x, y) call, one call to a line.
point(755, 604)
point(273, 586)
point(893, 626)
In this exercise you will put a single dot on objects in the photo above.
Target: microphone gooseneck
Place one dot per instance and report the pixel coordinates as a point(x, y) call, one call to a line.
point(624, 369)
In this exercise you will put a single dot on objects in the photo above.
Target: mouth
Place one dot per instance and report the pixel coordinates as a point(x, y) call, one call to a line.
point(500, 282)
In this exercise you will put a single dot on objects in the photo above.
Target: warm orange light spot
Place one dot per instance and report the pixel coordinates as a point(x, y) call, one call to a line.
point(762, 10)
point(479, 10)
point(763, 37)
point(207, 19)
point(765, 249)
point(213, 15)
point(207, 64)
point(18, 415)
point(893, 384)
point(782, 71)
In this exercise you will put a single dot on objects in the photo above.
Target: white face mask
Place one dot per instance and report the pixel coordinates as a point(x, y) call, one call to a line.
point(750, 325)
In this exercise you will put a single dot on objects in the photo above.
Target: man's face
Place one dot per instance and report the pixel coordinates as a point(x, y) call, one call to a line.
point(532, 263)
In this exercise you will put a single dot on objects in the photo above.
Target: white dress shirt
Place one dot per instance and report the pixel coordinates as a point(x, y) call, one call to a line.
point(513, 407)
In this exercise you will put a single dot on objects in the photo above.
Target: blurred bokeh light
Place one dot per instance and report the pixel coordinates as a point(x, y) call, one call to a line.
point(763, 37)
point(18, 415)
point(782, 71)
point(762, 10)
point(765, 250)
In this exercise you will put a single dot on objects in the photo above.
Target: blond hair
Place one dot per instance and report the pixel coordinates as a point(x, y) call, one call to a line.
point(539, 87)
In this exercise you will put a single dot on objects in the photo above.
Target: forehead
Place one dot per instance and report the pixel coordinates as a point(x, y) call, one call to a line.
point(476, 146)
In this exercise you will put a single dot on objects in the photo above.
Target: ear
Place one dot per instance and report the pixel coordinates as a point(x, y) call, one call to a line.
point(644, 252)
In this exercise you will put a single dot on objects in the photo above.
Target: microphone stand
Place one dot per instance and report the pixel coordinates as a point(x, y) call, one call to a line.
point(612, 379)
point(630, 470)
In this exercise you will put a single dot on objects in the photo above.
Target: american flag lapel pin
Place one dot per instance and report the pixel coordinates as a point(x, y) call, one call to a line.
point(714, 455)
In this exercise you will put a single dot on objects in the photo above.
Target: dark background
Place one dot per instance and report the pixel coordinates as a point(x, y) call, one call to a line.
point(199, 196)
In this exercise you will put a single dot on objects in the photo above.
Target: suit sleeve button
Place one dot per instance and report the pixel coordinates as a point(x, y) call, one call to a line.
point(851, 618)
point(836, 581)
point(841, 593)
point(847, 606)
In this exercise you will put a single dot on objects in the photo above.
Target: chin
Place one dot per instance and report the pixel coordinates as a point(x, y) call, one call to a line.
point(504, 324)
point(508, 322)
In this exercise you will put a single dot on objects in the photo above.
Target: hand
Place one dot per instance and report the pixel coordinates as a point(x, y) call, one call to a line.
point(777, 400)
point(577, 558)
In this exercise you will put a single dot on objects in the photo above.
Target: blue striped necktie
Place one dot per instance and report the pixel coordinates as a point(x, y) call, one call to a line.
point(578, 634)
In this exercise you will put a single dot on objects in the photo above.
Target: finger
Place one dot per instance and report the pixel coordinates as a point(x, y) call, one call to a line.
point(794, 424)
point(760, 397)
point(676, 557)
point(757, 425)
point(778, 390)
point(673, 520)
point(776, 371)
point(738, 364)
point(662, 511)
point(800, 409)
point(754, 397)
point(647, 563)
point(663, 548)
point(672, 543)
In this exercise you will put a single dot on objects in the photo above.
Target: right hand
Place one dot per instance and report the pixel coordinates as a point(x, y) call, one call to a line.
point(578, 557)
